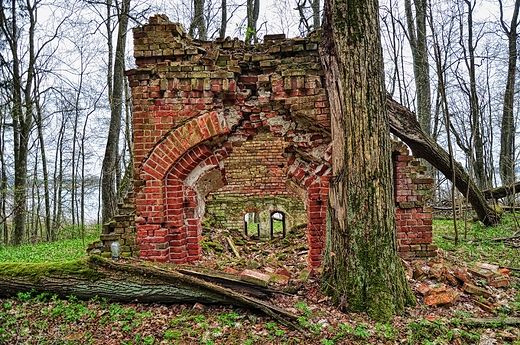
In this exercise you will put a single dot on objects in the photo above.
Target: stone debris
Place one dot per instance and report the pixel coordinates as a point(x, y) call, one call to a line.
point(255, 277)
point(441, 284)
point(438, 294)
point(475, 290)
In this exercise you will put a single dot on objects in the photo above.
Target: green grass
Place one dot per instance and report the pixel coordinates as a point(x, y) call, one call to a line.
point(59, 251)
point(475, 244)
point(45, 319)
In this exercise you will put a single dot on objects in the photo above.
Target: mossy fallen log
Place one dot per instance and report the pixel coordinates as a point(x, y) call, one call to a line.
point(95, 276)
point(491, 321)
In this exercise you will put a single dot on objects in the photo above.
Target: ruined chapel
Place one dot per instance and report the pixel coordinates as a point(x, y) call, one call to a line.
point(239, 133)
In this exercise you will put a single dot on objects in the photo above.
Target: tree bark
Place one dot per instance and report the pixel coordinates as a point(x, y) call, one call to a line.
point(404, 124)
point(507, 134)
point(198, 21)
point(363, 272)
point(502, 192)
point(110, 161)
point(125, 282)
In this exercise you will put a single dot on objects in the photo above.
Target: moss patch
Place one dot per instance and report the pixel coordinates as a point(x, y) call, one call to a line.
point(77, 268)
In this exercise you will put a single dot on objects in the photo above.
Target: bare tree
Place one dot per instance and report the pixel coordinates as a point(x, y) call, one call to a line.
point(116, 85)
point(223, 19)
point(475, 147)
point(507, 134)
point(21, 85)
point(419, 47)
point(309, 15)
point(253, 11)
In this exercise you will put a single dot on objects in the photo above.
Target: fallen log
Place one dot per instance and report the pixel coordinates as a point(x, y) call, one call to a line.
point(502, 192)
point(491, 321)
point(231, 281)
point(95, 276)
point(404, 124)
point(493, 239)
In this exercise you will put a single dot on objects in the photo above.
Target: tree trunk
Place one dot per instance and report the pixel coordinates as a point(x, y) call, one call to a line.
point(363, 272)
point(108, 183)
point(45, 170)
point(22, 109)
point(198, 21)
point(253, 11)
point(315, 5)
point(507, 134)
point(502, 192)
point(479, 166)
point(4, 229)
point(421, 67)
point(421, 70)
point(124, 282)
point(223, 19)
point(404, 124)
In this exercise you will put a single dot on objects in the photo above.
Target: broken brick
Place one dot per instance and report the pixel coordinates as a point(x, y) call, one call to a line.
point(444, 298)
point(462, 275)
point(424, 289)
point(498, 281)
point(255, 277)
point(475, 290)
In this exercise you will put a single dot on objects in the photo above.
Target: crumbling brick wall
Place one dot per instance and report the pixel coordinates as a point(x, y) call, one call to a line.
point(413, 215)
point(200, 107)
point(256, 175)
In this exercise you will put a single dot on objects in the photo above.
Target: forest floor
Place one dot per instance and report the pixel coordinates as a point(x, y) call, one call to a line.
point(485, 309)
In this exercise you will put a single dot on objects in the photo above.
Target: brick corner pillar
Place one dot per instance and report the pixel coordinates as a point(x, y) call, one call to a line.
point(317, 221)
point(413, 217)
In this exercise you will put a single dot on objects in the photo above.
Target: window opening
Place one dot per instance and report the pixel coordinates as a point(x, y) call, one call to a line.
point(252, 223)
point(277, 224)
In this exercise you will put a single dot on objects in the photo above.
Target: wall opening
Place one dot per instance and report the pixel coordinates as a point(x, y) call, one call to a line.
point(252, 224)
point(277, 224)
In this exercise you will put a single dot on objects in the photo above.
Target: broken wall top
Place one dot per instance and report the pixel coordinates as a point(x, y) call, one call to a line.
point(162, 40)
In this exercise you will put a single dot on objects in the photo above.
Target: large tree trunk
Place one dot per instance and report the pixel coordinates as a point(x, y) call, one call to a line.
point(403, 123)
point(363, 272)
point(507, 134)
point(133, 282)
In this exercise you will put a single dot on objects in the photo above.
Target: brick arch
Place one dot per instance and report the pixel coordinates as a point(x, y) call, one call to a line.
point(313, 178)
point(184, 204)
point(161, 200)
point(178, 141)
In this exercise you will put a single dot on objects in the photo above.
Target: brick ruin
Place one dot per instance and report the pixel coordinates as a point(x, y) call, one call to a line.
point(223, 129)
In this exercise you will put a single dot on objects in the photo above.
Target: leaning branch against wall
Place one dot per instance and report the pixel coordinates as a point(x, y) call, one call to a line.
point(404, 124)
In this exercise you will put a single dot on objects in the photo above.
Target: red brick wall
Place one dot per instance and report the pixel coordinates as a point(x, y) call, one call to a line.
point(413, 216)
point(204, 110)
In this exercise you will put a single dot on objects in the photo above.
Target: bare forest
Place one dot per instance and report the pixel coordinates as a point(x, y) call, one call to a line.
point(65, 114)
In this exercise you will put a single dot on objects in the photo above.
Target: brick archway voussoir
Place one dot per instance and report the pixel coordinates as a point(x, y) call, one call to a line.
point(181, 140)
